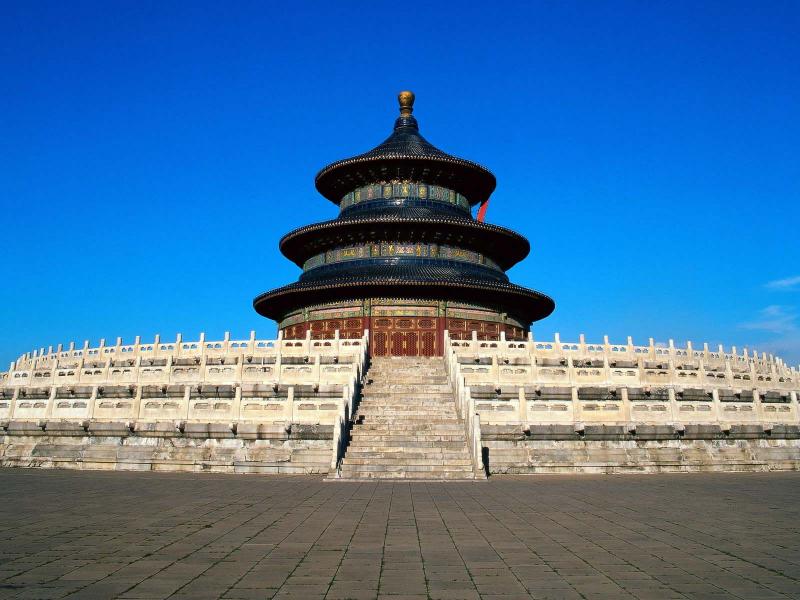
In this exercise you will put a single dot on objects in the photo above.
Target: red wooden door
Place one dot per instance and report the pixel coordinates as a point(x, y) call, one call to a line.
point(397, 346)
point(404, 336)
point(380, 343)
point(411, 346)
point(428, 343)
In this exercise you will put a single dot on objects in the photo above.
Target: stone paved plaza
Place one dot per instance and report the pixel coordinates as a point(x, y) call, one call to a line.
point(150, 535)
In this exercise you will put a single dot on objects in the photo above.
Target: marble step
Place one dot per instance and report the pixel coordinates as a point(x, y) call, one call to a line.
point(389, 417)
point(411, 398)
point(388, 426)
point(407, 462)
point(411, 477)
point(402, 451)
point(409, 471)
point(420, 389)
point(409, 410)
point(395, 395)
point(405, 468)
point(412, 434)
point(387, 442)
point(393, 373)
point(403, 401)
point(401, 376)
point(367, 458)
point(365, 418)
point(400, 439)
point(408, 400)
point(424, 410)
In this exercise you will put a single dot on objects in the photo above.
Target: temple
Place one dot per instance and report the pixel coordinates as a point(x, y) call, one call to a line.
point(404, 351)
point(404, 260)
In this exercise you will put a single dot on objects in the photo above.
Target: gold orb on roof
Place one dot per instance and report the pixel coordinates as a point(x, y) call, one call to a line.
point(406, 100)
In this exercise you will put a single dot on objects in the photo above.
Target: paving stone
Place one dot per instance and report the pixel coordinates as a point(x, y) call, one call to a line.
point(94, 535)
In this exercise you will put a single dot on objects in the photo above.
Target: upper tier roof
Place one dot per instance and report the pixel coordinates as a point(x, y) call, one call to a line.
point(406, 156)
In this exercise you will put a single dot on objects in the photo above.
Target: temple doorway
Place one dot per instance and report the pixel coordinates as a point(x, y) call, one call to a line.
point(405, 336)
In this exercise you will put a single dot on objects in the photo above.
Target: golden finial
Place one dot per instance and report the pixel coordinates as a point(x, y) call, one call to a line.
point(406, 100)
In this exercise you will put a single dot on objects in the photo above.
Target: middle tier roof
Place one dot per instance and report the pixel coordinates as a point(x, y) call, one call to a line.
point(502, 245)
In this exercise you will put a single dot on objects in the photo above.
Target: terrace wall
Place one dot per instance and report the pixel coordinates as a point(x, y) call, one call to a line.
point(229, 405)
point(554, 406)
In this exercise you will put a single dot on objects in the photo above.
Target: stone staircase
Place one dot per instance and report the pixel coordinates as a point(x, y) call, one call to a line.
point(406, 425)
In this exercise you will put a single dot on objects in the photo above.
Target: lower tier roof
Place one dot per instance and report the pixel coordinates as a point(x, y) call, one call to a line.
point(523, 303)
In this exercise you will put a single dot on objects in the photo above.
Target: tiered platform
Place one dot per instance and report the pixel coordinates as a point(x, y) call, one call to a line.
point(556, 406)
point(262, 406)
point(292, 406)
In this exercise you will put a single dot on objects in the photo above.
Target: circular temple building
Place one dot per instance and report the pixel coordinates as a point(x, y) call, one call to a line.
point(404, 259)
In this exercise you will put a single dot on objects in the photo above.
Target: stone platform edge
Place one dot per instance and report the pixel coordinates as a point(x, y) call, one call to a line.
point(307, 455)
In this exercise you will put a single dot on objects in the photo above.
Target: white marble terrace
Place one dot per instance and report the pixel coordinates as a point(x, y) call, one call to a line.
point(578, 383)
point(246, 381)
point(310, 381)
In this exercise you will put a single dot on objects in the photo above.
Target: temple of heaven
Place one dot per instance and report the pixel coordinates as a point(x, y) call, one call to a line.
point(404, 259)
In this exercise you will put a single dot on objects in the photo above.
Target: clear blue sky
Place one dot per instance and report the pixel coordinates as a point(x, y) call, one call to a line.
point(153, 153)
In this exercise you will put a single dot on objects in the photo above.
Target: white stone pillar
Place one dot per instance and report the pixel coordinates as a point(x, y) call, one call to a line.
point(523, 407)
point(236, 409)
point(137, 404)
point(715, 402)
point(627, 413)
point(673, 406)
point(51, 402)
point(15, 399)
point(187, 394)
point(290, 406)
point(92, 402)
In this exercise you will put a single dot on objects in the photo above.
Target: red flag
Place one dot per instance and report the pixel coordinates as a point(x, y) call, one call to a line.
point(482, 210)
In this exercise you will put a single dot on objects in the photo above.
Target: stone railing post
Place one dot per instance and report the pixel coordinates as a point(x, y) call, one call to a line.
point(290, 406)
point(715, 402)
point(138, 405)
point(236, 411)
point(673, 405)
point(92, 402)
point(51, 402)
point(14, 400)
point(523, 406)
point(187, 400)
point(339, 429)
point(627, 413)
point(477, 446)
